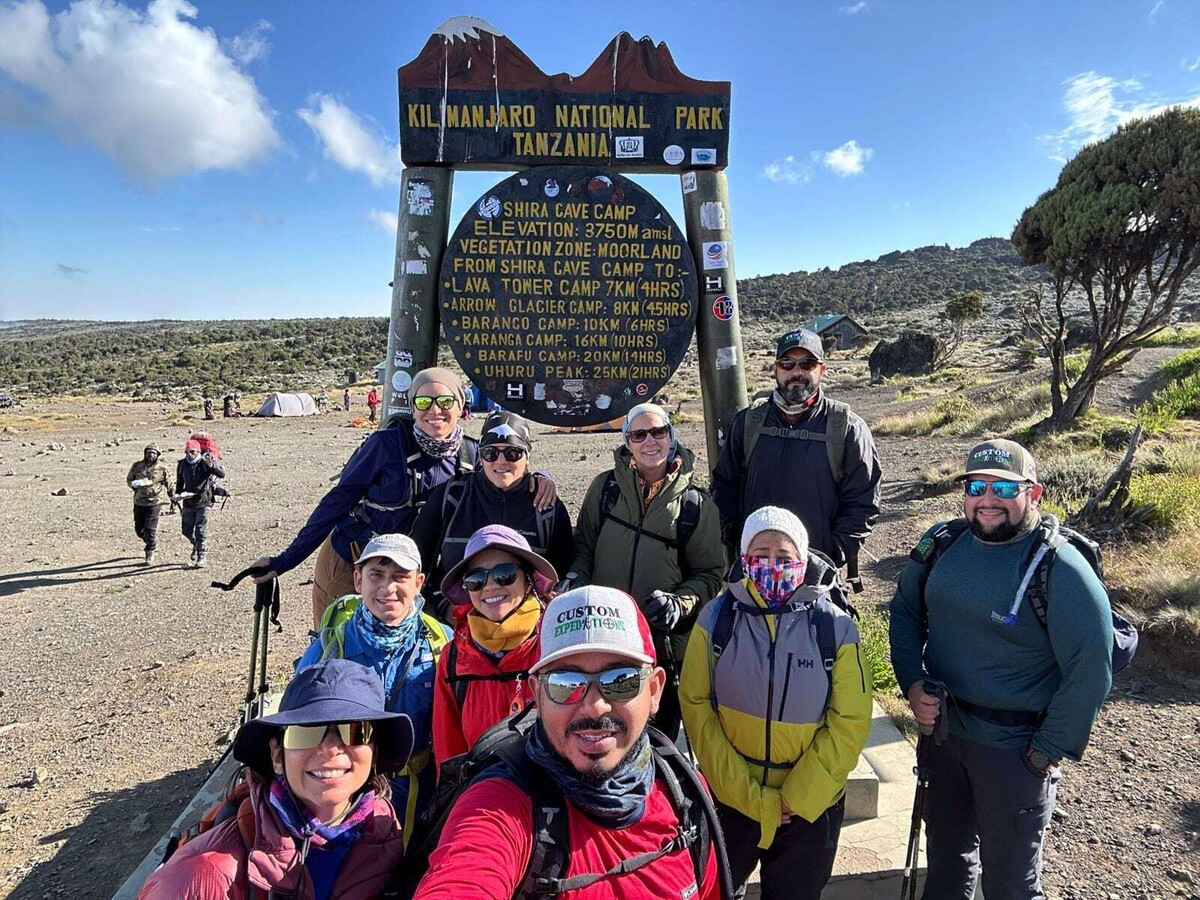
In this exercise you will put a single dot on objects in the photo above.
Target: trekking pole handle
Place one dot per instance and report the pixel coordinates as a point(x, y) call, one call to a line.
point(933, 690)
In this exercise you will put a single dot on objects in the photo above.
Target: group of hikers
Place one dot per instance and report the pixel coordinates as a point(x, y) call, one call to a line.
point(495, 698)
point(197, 484)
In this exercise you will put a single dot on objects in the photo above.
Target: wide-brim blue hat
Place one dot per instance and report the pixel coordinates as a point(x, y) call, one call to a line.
point(336, 690)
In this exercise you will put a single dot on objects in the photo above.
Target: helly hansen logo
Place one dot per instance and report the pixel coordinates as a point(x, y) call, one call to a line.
point(806, 664)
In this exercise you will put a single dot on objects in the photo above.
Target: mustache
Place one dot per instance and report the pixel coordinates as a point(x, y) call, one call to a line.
point(604, 723)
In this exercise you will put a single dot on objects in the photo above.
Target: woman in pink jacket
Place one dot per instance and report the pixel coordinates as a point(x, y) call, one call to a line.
point(317, 824)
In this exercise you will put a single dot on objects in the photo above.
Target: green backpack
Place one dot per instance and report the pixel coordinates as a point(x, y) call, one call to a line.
point(332, 631)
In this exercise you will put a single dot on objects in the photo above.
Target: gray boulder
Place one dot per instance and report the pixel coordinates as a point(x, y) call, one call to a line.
point(912, 353)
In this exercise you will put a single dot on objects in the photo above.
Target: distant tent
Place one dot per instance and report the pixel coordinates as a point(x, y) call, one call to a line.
point(288, 405)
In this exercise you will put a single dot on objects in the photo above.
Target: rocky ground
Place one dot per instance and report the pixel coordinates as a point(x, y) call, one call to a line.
point(123, 681)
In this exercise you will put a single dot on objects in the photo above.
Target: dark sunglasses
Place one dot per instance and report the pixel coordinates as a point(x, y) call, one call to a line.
point(443, 401)
point(1005, 490)
point(637, 435)
point(503, 574)
point(788, 363)
point(617, 685)
point(305, 737)
point(492, 453)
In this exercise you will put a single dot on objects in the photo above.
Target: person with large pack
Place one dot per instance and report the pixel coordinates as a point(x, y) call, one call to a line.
point(496, 493)
point(1002, 634)
point(777, 702)
point(647, 529)
point(803, 451)
point(383, 486)
point(583, 799)
point(151, 485)
point(196, 477)
point(384, 626)
point(497, 592)
point(309, 816)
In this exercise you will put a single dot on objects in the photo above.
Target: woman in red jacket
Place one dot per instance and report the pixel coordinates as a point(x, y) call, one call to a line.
point(498, 592)
point(317, 824)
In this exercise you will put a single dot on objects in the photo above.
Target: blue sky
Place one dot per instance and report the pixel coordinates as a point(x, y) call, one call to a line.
point(239, 159)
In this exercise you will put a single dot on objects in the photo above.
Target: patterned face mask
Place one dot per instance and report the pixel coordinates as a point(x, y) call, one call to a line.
point(775, 579)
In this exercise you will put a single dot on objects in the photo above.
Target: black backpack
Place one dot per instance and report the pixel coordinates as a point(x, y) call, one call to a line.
point(821, 572)
point(456, 489)
point(500, 751)
point(689, 516)
point(1036, 581)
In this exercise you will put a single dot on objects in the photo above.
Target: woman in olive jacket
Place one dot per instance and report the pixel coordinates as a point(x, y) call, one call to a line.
point(629, 537)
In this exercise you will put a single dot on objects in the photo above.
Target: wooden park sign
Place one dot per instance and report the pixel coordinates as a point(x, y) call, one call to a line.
point(567, 292)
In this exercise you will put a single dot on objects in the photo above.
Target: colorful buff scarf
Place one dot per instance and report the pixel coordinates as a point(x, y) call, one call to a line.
point(439, 448)
point(301, 824)
point(617, 800)
point(776, 579)
point(386, 639)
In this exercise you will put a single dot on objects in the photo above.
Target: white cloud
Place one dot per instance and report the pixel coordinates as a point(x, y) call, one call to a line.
point(1191, 66)
point(1154, 12)
point(787, 171)
point(251, 44)
point(354, 143)
point(152, 90)
point(848, 159)
point(382, 220)
point(853, 9)
point(156, 228)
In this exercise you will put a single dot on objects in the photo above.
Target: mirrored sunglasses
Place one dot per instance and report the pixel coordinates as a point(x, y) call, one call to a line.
point(306, 737)
point(637, 435)
point(503, 574)
point(617, 685)
point(1005, 490)
point(788, 363)
point(492, 453)
point(443, 401)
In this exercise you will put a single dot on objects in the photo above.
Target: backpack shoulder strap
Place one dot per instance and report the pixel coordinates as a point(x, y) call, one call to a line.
point(609, 497)
point(822, 620)
point(456, 489)
point(332, 631)
point(756, 418)
point(467, 454)
point(545, 524)
point(434, 633)
point(932, 546)
point(837, 426)
point(459, 685)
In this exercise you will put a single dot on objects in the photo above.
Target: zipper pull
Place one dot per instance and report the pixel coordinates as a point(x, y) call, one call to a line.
point(516, 704)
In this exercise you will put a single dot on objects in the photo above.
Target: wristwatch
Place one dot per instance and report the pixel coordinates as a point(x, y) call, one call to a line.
point(1039, 760)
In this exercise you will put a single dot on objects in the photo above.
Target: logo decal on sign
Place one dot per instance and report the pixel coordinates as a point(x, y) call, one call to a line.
point(712, 215)
point(713, 284)
point(489, 207)
point(722, 308)
point(404, 358)
point(716, 255)
point(420, 198)
point(642, 390)
point(689, 182)
point(551, 187)
point(514, 390)
point(673, 155)
point(704, 157)
point(630, 147)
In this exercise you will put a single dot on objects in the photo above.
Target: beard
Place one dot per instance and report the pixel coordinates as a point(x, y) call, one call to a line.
point(1004, 531)
point(797, 392)
point(597, 772)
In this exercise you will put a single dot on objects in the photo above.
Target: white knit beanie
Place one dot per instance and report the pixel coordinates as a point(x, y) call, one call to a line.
point(652, 409)
point(773, 518)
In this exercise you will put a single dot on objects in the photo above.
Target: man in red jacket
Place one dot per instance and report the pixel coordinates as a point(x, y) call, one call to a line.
point(596, 684)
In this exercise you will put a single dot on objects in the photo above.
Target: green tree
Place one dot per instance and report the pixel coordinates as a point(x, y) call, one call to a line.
point(958, 313)
point(1122, 228)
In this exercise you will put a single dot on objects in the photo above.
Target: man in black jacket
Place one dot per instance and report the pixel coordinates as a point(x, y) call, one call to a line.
point(194, 481)
point(804, 452)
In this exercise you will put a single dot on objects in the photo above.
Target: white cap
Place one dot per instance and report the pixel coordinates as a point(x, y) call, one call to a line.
point(399, 548)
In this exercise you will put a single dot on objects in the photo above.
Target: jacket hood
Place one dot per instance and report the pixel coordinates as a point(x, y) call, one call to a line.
point(624, 472)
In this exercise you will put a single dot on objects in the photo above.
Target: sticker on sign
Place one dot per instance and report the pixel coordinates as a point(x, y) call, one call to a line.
point(673, 155)
point(716, 255)
point(704, 156)
point(630, 147)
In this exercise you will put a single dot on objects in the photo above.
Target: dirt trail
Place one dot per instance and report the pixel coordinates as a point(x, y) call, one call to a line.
point(123, 681)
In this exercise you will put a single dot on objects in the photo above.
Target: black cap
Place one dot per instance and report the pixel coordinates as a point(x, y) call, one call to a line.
point(506, 429)
point(803, 339)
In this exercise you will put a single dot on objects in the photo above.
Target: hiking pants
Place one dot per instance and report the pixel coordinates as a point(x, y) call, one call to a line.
point(799, 861)
point(195, 526)
point(985, 804)
point(332, 578)
point(145, 524)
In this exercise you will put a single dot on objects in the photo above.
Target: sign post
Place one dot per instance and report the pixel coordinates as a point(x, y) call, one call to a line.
point(718, 325)
point(423, 222)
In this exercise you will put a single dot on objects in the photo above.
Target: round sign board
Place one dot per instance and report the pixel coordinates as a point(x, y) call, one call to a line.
point(568, 294)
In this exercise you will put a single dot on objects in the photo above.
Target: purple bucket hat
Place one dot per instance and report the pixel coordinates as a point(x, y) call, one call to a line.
point(499, 537)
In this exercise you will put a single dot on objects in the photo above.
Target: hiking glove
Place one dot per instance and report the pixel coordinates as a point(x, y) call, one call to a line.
point(663, 611)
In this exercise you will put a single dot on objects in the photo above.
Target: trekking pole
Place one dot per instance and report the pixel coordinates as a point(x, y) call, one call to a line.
point(266, 613)
point(675, 683)
point(908, 887)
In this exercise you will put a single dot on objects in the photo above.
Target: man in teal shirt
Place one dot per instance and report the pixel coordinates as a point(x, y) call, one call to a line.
point(1021, 695)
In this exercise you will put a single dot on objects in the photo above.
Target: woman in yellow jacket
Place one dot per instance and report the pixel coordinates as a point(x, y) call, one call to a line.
point(776, 699)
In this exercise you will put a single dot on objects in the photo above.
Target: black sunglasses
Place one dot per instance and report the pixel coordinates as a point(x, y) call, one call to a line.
point(503, 574)
point(637, 435)
point(492, 453)
point(443, 401)
point(788, 363)
point(617, 685)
